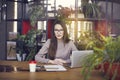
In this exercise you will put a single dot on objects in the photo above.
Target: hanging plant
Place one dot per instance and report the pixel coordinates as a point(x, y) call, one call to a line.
point(35, 12)
point(91, 10)
point(63, 13)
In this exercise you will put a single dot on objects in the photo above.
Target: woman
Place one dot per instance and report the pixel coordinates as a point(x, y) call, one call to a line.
point(59, 47)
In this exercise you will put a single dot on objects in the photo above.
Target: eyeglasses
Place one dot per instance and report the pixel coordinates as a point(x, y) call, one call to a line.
point(58, 30)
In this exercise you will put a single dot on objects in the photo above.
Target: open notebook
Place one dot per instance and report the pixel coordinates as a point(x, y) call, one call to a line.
point(77, 57)
point(54, 68)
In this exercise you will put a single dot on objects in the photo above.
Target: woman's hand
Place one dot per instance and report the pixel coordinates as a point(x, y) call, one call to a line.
point(60, 60)
point(57, 61)
point(51, 61)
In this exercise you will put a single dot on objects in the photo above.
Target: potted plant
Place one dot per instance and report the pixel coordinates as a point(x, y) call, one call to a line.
point(63, 13)
point(88, 39)
point(107, 58)
point(28, 44)
point(90, 9)
point(31, 43)
point(35, 12)
point(20, 43)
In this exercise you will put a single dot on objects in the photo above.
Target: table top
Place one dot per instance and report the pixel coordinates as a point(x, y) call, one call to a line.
point(70, 74)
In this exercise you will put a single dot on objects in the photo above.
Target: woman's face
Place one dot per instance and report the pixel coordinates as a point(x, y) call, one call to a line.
point(58, 30)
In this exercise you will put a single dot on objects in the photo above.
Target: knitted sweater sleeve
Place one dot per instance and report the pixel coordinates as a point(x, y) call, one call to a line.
point(40, 56)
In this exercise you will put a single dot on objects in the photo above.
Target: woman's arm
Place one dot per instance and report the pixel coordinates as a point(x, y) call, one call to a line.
point(73, 48)
point(40, 56)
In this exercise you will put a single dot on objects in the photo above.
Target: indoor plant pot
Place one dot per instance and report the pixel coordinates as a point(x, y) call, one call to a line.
point(90, 9)
point(27, 44)
point(20, 51)
point(112, 70)
point(21, 57)
point(110, 53)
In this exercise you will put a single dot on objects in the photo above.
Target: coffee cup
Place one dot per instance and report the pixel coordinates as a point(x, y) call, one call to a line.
point(32, 66)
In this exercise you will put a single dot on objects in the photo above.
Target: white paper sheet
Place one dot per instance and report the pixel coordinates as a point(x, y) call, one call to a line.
point(54, 68)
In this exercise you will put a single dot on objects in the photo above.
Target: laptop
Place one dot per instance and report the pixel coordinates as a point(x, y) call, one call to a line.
point(77, 57)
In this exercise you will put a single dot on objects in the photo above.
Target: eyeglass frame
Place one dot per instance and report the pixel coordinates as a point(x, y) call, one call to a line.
point(58, 30)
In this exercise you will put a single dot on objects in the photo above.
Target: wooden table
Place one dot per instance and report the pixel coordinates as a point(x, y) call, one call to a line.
point(70, 74)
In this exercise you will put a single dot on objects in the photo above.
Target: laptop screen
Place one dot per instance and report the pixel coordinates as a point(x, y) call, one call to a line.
point(77, 57)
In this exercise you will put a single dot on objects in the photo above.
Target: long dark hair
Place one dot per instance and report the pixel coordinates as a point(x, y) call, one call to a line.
point(53, 43)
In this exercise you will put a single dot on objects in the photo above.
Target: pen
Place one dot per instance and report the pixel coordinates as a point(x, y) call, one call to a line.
point(52, 68)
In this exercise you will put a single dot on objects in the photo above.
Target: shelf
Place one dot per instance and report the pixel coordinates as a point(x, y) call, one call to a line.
point(115, 1)
point(23, 1)
point(85, 19)
point(14, 20)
